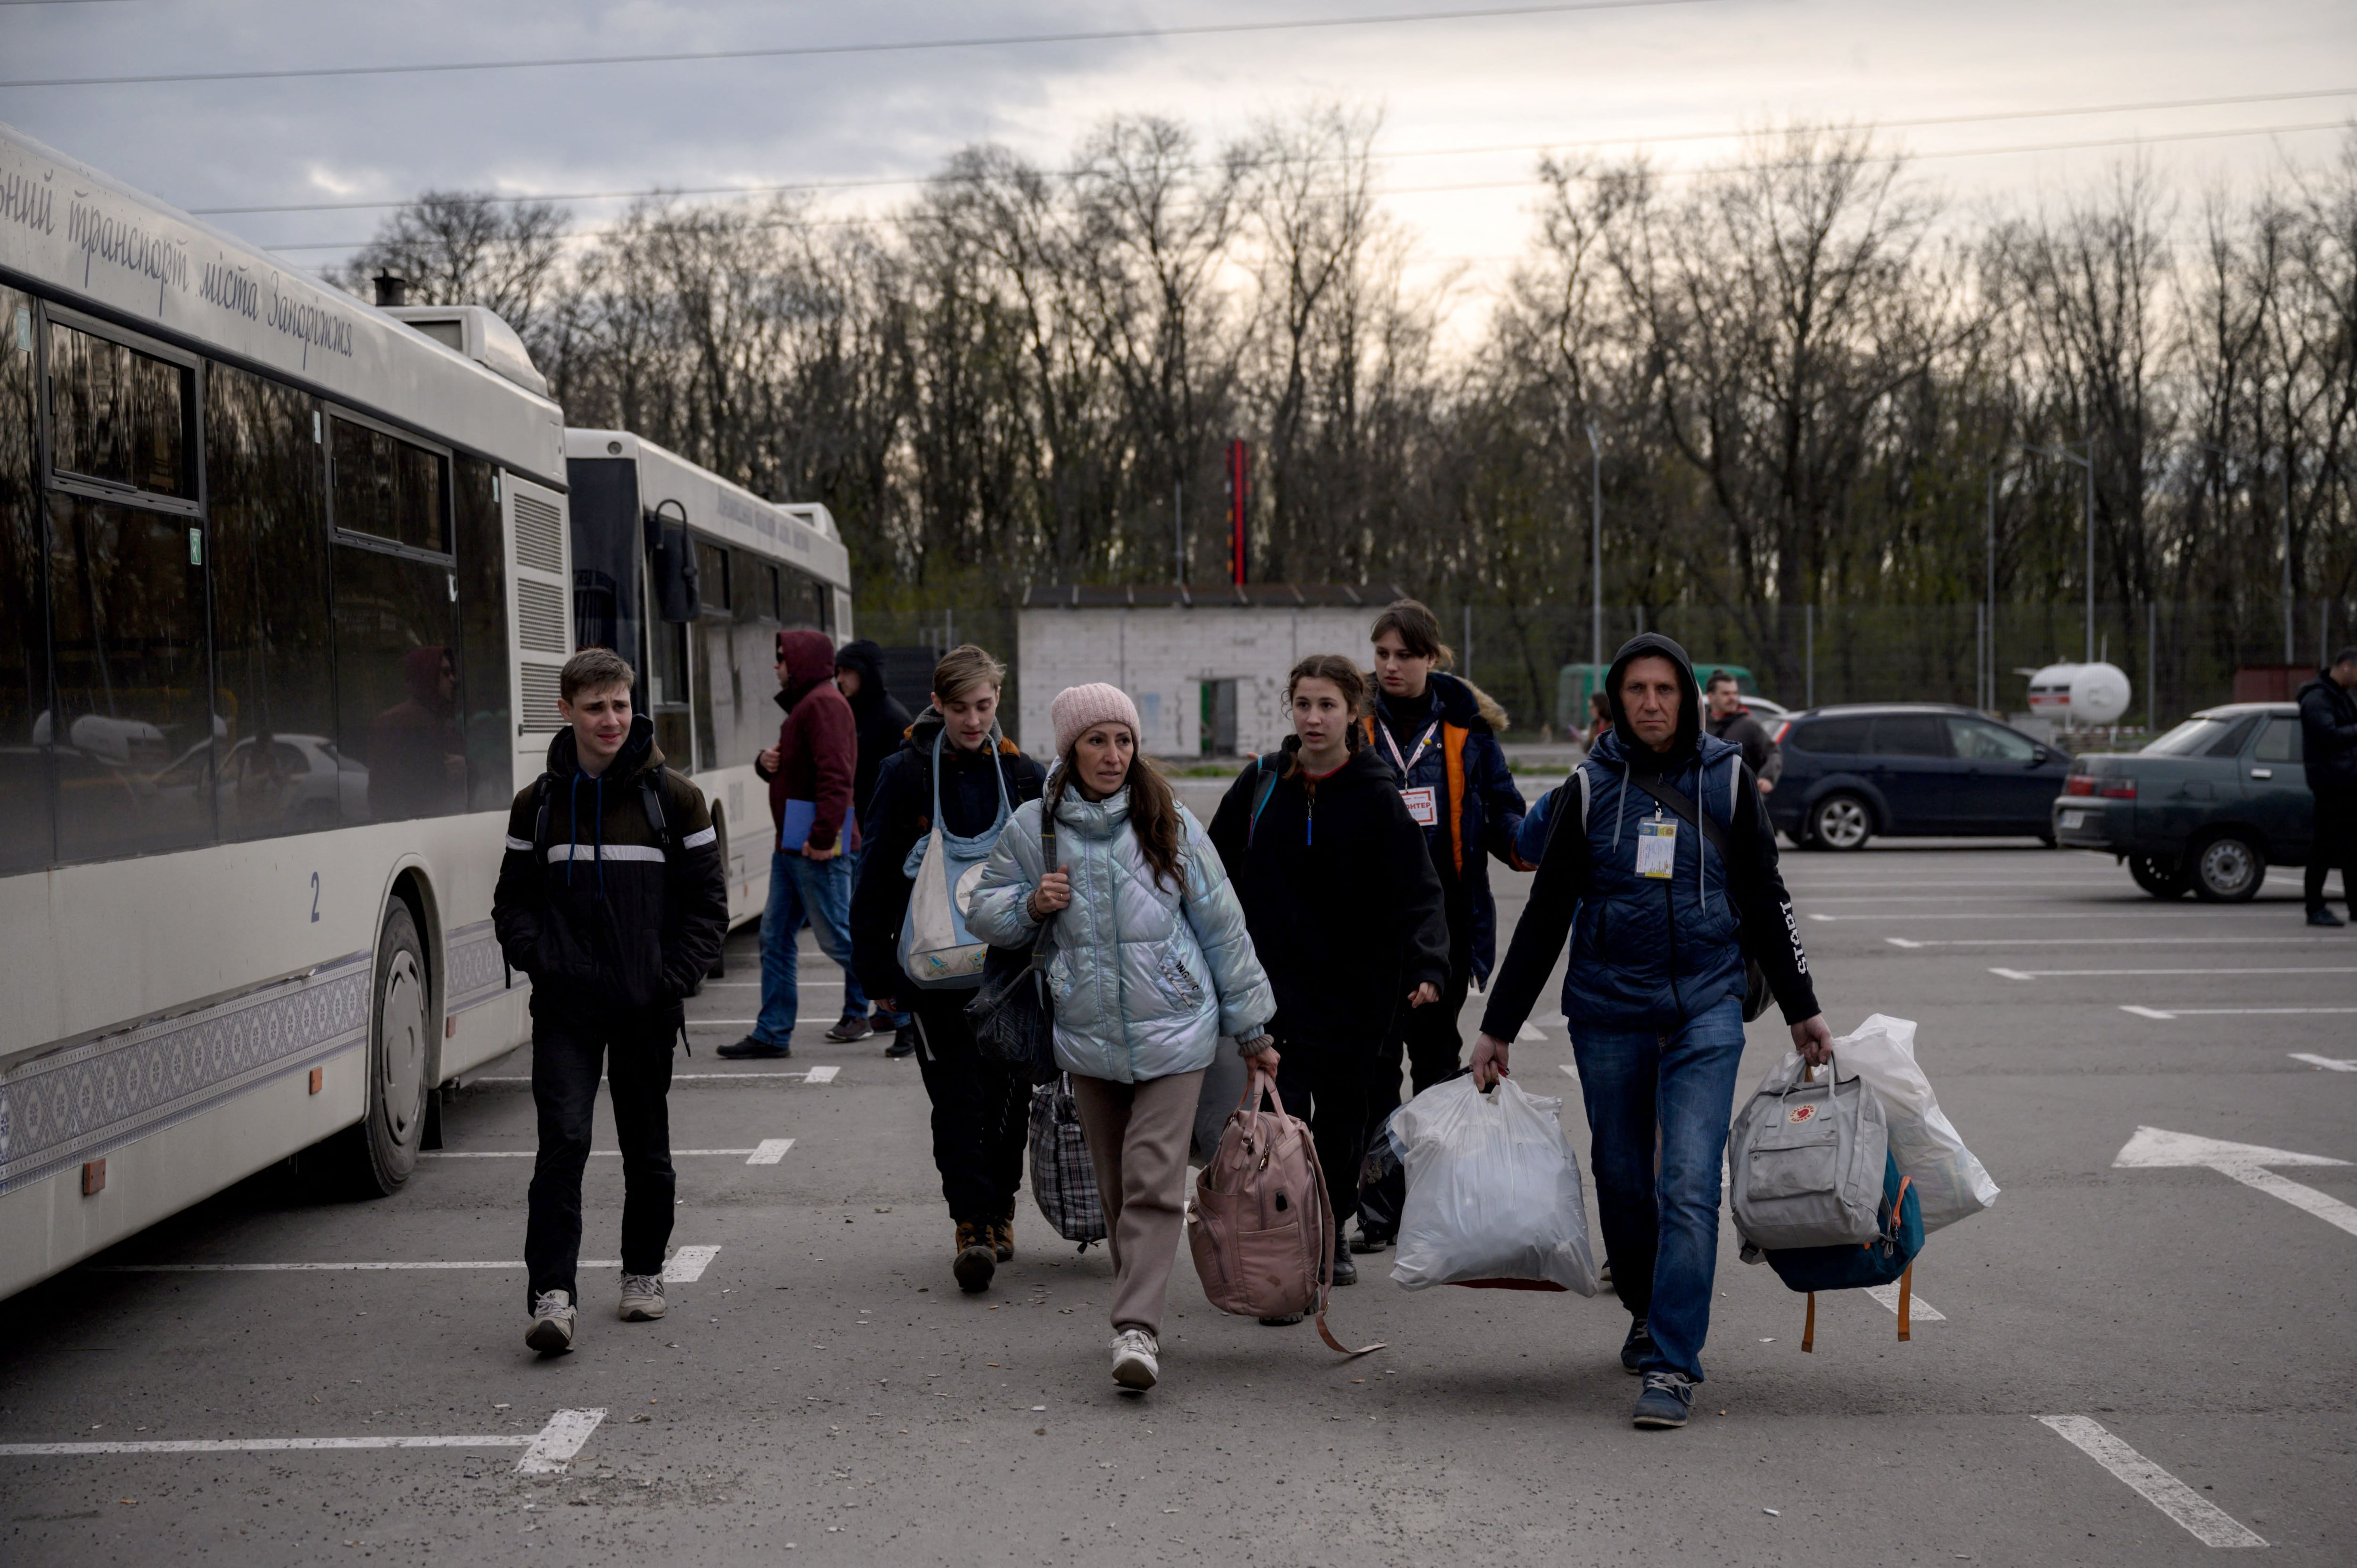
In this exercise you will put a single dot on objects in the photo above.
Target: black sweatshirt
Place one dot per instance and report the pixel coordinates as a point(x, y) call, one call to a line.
point(1339, 895)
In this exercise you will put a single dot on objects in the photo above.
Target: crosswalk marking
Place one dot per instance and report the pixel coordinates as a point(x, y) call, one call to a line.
point(2209, 1523)
point(545, 1452)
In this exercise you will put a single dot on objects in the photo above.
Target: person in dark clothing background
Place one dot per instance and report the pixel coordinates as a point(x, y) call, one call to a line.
point(1345, 908)
point(1659, 922)
point(883, 724)
point(981, 1109)
point(1440, 736)
point(1731, 722)
point(612, 898)
point(2328, 736)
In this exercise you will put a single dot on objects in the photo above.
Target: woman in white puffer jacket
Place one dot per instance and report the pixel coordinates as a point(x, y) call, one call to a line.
point(1152, 965)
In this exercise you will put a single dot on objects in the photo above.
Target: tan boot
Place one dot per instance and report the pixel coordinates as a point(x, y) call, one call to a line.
point(977, 1256)
point(1002, 1235)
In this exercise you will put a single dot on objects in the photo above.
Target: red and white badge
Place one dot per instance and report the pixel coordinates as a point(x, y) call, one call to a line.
point(1423, 804)
point(1803, 1113)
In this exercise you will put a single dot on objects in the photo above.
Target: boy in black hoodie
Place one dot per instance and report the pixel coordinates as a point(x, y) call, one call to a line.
point(612, 898)
point(1345, 909)
point(883, 724)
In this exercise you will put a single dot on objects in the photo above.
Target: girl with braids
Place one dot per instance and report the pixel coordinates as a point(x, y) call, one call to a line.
point(1344, 908)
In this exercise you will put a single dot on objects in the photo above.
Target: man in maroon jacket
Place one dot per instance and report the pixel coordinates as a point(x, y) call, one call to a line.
point(809, 772)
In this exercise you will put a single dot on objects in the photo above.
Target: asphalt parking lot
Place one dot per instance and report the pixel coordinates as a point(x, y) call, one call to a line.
point(2133, 1363)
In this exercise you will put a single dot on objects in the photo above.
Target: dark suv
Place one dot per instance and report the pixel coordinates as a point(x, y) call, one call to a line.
point(2207, 808)
point(1864, 769)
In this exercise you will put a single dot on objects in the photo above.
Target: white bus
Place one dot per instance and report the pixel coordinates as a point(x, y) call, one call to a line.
point(285, 588)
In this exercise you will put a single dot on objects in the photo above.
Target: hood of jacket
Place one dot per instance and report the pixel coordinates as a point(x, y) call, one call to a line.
point(1653, 645)
point(865, 658)
point(809, 657)
point(639, 752)
point(1460, 701)
point(2334, 691)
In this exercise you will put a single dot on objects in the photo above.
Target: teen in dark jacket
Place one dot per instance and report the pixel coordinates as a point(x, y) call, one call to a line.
point(1659, 922)
point(1345, 908)
point(616, 920)
point(2328, 732)
point(981, 1110)
point(883, 724)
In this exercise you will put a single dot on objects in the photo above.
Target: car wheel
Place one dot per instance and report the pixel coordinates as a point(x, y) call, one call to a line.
point(1840, 823)
point(378, 1155)
point(2227, 869)
point(2161, 878)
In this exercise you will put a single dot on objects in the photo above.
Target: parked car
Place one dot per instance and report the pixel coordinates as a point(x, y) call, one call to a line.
point(1767, 713)
point(2206, 809)
point(1902, 768)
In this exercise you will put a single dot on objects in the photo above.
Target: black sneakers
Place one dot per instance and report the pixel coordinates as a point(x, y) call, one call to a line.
point(849, 1027)
point(1346, 1267)
point(1636, 1347)
point(904, 1041)
point(749, 1049)
point(2321, 916)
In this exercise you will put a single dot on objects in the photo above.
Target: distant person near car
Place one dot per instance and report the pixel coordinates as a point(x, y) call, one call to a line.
point(1600, 716)
point(2327, 725)
point(883, 724)
point(1731, 722)
point(810, 773)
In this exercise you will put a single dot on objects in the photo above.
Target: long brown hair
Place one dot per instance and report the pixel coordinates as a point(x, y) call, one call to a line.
point(1152, 811)
point(1348, 679)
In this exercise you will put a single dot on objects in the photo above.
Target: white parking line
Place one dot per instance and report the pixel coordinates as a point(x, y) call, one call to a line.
point(1529, 1032)
point(2076, 974)
point(545, 1452)
point(2222, 1011)
point(2103, 942)
point(593, 1153)
point(686, 1266)
point(771, 1151)
point(1918, 1309)
point(2211, 1525)
point(2181, 916)
point(815, 1075)
point(1570, 1071)
point(2331, 1064)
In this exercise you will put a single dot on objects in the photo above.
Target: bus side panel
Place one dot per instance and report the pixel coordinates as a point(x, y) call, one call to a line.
point(489, 1030)
point(49, 1224)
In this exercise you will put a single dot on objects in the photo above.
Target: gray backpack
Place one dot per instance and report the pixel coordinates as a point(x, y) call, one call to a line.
point(1806, 1160)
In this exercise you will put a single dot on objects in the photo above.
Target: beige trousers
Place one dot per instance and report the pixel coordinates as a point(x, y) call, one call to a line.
point(1138, 1135)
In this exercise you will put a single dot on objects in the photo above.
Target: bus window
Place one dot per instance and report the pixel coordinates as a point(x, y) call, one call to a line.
point(397, 683)
point(712, 576)
point(810, 603)
point(608, 542)
point(26, 837)
point(664, 689)
point(118, 416)
point(483, 636)
point(387, 488)
point(771, 594)
point(132, 727)
point(273, 641)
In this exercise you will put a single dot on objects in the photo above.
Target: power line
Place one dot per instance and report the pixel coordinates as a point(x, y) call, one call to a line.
point(1916, 123)
point(870, 221)
point(912, 46)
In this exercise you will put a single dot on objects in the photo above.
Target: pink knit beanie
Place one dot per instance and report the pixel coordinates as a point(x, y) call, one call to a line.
point(1079, 709)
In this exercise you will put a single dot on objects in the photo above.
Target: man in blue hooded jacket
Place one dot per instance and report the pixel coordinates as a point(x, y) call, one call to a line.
point(1660, 920)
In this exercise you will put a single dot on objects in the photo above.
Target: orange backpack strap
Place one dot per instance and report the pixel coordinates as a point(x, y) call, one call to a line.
point(1906, 1285)
point(1809, 1329)
point(1452, 747)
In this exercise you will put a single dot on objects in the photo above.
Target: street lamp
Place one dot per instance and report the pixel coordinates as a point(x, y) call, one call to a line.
point(1596, 559)
point(2062, 450)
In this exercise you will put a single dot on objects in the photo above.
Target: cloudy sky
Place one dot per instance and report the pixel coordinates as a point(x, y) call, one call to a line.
point(1468, 100)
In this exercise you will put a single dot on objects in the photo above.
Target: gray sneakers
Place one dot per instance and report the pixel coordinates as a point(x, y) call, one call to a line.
point(1135, 1359)
point(1666, 1401)
point(643, 1298)
point(551, 1333)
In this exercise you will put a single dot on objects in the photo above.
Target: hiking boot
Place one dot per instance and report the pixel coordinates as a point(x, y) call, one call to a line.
point(2321, 916)
point(849, 1027)
point(977, 1257)
point(551, 1333)
point(1002, 1235)
point(749, 1049)
point(1280, 1320)
point(1667, 1401)
point(904, 1041)
point(1636, 1347)
point(1137, 1361)
point(643, 1298)
point(1346, 1268)
point(1369, 1238)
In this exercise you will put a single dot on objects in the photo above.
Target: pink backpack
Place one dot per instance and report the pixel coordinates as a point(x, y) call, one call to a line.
point(1260, 1230)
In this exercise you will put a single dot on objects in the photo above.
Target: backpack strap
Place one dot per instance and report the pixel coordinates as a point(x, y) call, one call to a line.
point(1269, 765)
point(650, 793)
point(1809, 1328)
point(1906, 1285)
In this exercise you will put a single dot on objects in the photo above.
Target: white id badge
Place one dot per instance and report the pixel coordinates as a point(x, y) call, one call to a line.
point(1422, 805)
point(1657, 849)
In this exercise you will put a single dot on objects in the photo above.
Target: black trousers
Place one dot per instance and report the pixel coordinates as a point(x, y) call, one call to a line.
point(982, 1111)
point(1428, 1039)
point(566, 1054)
point(2334, 847)
point(1325, 1084)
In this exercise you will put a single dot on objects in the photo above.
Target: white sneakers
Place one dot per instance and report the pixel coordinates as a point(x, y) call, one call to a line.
point(643, 1298)
point(1135, 1363)
point(551, 1333)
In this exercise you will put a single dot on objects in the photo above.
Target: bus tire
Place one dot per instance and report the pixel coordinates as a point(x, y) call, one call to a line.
point(378, 1155)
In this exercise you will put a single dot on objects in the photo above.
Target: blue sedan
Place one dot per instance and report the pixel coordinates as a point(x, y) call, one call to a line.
point(1902, 768)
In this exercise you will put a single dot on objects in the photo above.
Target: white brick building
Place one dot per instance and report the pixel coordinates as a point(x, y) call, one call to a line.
point(1205, 666)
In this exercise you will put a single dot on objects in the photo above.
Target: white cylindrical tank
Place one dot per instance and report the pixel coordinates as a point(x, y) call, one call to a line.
point(2080, 694)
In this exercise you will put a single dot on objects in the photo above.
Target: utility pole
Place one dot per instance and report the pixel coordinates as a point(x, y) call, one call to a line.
point(1596, 559)
point(2289, 657)
point(1179, 528)
point(2063, 451)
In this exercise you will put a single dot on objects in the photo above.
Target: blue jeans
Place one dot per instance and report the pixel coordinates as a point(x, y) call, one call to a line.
point(1662, 1233)
point(859, 864)
point(803, 890)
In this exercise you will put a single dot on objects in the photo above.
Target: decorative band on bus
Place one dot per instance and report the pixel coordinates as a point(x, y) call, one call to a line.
point(76, 1104)
point(475, 971)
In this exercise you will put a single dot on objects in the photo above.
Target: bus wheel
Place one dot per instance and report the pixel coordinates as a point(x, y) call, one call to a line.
point(378, 1155)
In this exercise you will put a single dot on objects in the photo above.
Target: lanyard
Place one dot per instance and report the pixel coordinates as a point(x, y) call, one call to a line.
point(1407, 764)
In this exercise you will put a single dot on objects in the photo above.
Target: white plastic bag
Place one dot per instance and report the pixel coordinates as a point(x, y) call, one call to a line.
point(1492, 1191)
point(1949, 1182)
